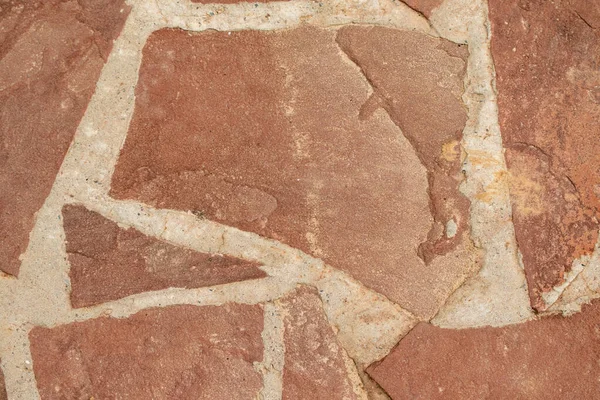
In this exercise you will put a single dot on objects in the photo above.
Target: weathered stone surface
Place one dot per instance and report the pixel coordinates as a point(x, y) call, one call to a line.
point(425, 7)
point(553, 358)
point(277, 133)
point(51, 54)
point(315, 365)
point(109, 263)
point(546, 56)
point(3, 395)
point(178, 352)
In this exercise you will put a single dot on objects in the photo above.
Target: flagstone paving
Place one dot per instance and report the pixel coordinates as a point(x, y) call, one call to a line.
point(299, 199)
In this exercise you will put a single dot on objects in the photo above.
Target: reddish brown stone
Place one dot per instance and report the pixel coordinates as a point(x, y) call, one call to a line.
point(553, 358)
point(426, 105)
point(3, 394)
point(276, 133)
point(547, 56)
point(178, 352)
point(109, 263)
point(425, 7)
point(314, 360)
point(51, 54)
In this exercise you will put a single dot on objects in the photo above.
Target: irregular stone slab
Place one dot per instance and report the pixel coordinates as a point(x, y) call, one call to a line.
point(163, 353)
point(552, 358)
point(3, 395)
point(235, 126)
point(51, 54)
point(546, 56)
point(425, 7)
point(109, 263)
point(315, 363)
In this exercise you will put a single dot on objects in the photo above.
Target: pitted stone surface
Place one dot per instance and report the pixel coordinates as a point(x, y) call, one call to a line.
point(314, 359)
point(109, 263)
point(51, 54)
point(546, 56)
point(553, 358)
point(232, 125)
point(178, 352)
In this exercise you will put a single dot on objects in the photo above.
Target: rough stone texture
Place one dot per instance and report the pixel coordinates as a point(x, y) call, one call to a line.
point(553, 358)
point(425, 7)
point(261, 152)
point(168, 353)
point(546, 56)
point(109, 263)
point(3, 395)
point(314, 360)
point(51, 54)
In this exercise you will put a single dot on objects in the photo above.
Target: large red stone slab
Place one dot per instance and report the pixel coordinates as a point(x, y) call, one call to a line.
point(547, 56)
point(178, 352)
point(109, 262)
point(314, 359)
point(277, 133)
point(3, 394)
point(553, 358)
point(51, 54)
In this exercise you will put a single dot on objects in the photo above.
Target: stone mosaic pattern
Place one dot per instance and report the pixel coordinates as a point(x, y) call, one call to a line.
point(299, 199)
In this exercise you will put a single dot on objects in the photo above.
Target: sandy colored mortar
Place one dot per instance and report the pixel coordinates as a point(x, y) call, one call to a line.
point(496, 295)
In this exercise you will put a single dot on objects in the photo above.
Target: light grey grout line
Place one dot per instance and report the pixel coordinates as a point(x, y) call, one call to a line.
point(17, 365)
point(497, 295)
point(244, 292)
point(271, 367)
point(281, 15)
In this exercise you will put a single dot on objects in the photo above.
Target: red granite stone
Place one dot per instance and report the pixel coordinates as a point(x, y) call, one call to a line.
point(3, 394)
point(51, 54)
point(177, 352)
point(277, 133)
point(546, 56)
point(425, 7)
point(109, 263)
point(553, 358)
point(314, 360)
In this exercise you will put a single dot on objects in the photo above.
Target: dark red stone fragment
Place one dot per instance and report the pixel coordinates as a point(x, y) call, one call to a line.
point(109, 262)
point(314, 359)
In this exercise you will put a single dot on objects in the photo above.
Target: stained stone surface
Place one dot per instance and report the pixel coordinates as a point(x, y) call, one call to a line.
point(163, 353)
point(51, 54)
point(546, 56)
point(109, 262)
point(232, 125)
point(553, 358)
point(315, 365)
